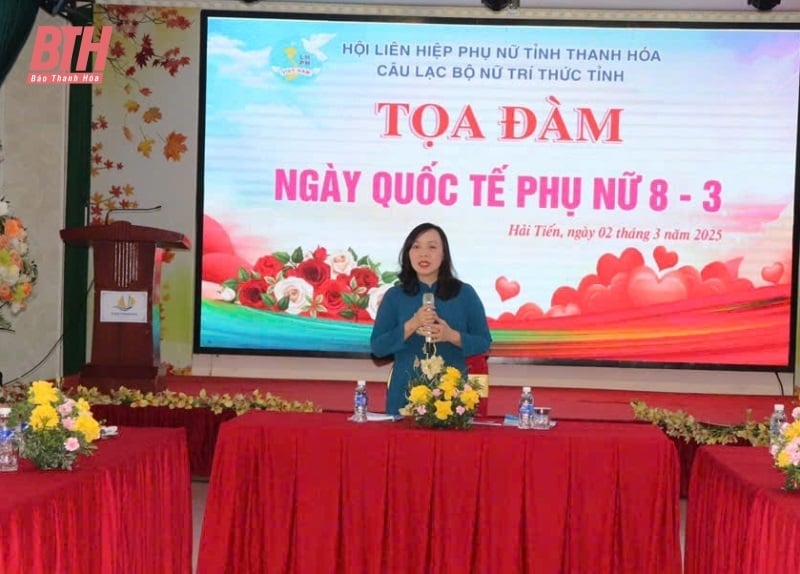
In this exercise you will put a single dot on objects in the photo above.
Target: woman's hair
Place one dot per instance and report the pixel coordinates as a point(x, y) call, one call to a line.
point(447, 286)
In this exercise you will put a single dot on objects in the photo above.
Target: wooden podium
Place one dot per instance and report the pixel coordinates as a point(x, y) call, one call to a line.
point(126, 346)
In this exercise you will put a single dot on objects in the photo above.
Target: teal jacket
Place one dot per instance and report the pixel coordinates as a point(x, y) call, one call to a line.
point(464, 313)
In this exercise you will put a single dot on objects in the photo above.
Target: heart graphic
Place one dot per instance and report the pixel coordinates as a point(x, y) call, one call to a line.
point(716, 270)
point(600, 298)
point(664, 258)
point(772, 273)
point(564, 310)
point(645, 288)
point(609, 265)
point(505, 288)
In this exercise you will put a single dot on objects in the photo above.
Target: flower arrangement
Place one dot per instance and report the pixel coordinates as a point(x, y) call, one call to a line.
point(240, 403)
point(439, 396)
point(785, 451)
point(681, 425)
point(56, 428)
point(337, 285)
point(217, 403)
point(17, 271)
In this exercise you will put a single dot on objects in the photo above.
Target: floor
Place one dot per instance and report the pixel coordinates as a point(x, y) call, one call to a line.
point(200, 490)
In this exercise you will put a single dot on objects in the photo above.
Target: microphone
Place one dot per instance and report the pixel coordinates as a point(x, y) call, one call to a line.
point(428, 301)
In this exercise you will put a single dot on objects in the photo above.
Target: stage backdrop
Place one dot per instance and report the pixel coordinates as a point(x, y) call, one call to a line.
point(617, 194)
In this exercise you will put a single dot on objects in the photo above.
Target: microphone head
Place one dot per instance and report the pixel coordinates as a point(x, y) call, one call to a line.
point(427, 299)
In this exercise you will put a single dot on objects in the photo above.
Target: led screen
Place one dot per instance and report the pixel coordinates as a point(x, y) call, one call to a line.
point(618, 194)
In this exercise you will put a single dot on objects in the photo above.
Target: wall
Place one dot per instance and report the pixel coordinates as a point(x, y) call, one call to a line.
point(33, 134)
point(32, 128)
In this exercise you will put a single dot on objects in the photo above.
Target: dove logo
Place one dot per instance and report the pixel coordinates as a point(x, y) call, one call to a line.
point(300, 60)
point(54, 51)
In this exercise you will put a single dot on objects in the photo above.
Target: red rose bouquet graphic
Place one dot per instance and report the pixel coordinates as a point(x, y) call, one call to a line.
point(337, 285)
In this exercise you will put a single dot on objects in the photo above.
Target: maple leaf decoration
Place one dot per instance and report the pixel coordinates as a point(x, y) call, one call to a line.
point(145, 147)
point(175, 146)
point(152, 115)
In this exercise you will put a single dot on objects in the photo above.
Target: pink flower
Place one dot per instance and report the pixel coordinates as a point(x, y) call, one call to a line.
point(460, 410)
point(72, 444)
point(421, 410)
point(69, 423)
point(436, 392)
point(796, 413)
point(66, 407)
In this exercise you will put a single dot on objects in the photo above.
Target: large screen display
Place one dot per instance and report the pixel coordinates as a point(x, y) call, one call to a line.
point(617, 193)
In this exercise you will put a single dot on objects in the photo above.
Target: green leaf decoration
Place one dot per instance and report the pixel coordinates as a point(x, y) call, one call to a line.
point(297, 255)
point(283, 303)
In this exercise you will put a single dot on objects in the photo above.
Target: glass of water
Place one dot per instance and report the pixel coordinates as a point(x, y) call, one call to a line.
point(541, 418)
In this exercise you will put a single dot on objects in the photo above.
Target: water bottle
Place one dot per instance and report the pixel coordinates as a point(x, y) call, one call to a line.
point(360, 402)
point(776, 419)
point(525, 409)
point(9, 452)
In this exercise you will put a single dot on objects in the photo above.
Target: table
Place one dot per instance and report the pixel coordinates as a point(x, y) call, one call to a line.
point(738, 517)
point(201, 425)
point(293, 492)
point(124, 510)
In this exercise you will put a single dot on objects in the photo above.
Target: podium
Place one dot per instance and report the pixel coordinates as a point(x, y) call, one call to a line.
point(126, 327)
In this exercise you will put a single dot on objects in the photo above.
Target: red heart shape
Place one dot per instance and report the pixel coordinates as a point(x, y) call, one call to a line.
point(506, 288)
point(609, 265)
point(599, 298)
point(645, 288)
point(218, 267)
point(529, 312)
point(564, 310)
point(716, 270)
point(664, 258)
point(772, 273)
point(563, 296)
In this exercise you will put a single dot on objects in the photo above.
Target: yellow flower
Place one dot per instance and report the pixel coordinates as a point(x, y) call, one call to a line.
point(792, 431)
point(87, 426)
point(448, 387)
point(451, 376)
point(43, 393)
point(469, 397)
point(783, 460)
point(83, 405)
point(44, 417)
point(419, 395)
point(444, 409)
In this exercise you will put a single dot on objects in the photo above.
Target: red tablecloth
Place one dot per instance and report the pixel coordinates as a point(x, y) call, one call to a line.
point(124, 510)
point(739, 519)
point(202, 426)
point(315, 493)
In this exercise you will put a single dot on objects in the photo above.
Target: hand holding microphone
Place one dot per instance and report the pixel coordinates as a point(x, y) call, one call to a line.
point(428, 316)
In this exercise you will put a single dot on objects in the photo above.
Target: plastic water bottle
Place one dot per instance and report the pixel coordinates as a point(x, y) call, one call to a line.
point(360, 402)
point(9, 451)
point(525, 409)
point(776, 419)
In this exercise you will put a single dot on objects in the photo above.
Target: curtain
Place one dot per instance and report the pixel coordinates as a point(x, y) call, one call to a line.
point(16, 22)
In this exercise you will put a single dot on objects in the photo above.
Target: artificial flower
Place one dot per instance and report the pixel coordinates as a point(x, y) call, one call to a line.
point(440, 396)
point(330, 284)
point(56, 428)
point(17, 271)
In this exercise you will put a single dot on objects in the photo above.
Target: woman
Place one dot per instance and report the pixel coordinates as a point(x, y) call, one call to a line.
point(455, 323)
